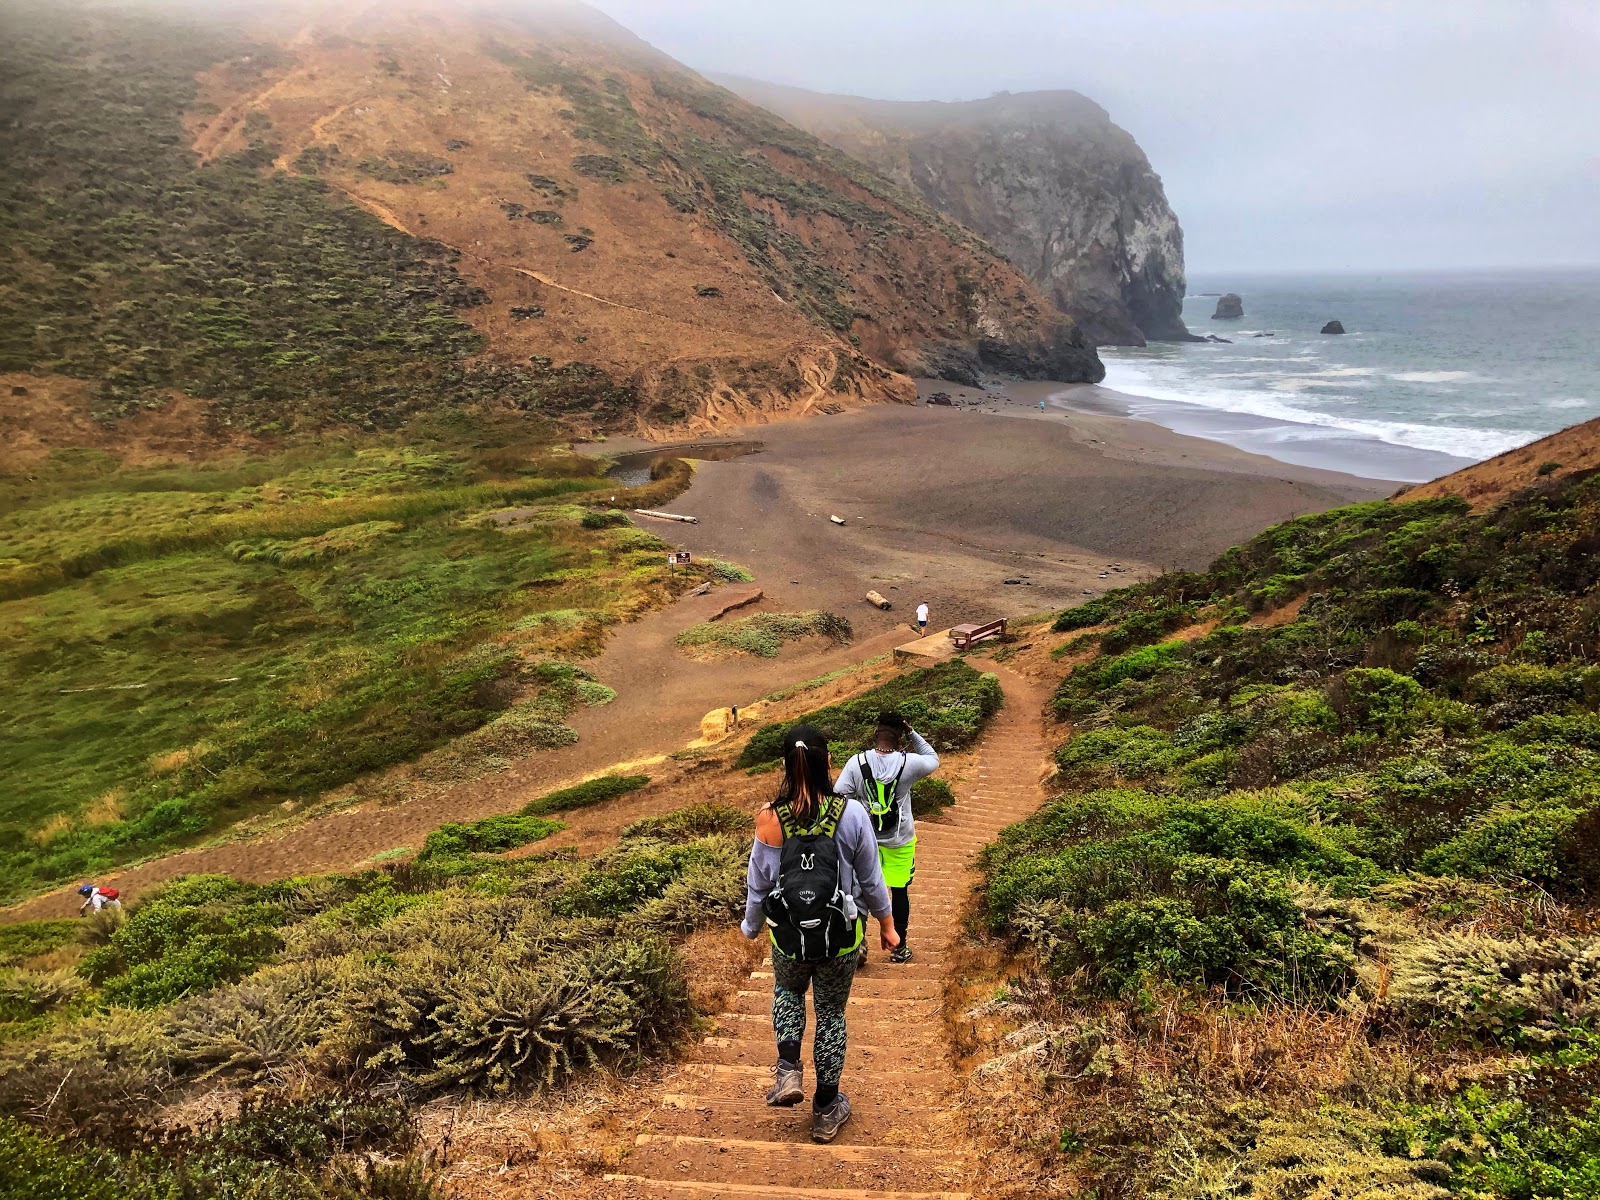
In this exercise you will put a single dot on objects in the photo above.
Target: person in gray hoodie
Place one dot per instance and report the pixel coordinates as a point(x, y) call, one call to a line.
point(880, 779)
point(806, 803)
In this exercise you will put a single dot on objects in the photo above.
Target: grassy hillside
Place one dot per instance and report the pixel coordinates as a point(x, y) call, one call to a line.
point(190, 647)
point(317, 1013)
point(329, 1006)
point(1316, 910)
point(265, 293)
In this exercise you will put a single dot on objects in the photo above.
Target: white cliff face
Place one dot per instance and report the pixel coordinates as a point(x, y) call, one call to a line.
point(1045, 176)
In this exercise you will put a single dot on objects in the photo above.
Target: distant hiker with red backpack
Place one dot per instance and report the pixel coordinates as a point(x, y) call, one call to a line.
point(880, 779)
point(97, 898)
point(813, 876)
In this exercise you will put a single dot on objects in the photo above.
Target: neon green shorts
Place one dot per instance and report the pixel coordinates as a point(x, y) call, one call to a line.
point(899, 863)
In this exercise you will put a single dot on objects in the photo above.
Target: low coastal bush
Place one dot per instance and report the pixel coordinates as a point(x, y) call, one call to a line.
point(585, 794)
point(461, 971)
point(763, 634)
point(930, 796)
point(491, 834)
point(949, 704)
point(1298, 866)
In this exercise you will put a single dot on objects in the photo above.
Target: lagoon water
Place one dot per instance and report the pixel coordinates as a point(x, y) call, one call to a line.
point(1434, 371)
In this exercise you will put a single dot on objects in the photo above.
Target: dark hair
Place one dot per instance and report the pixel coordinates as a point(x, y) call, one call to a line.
point(806, 782)
point(892, 725)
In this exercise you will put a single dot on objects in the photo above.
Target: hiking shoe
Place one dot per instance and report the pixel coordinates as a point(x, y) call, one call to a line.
point(901, 953)
point(861, 959)
point(825, 1124)
point(788, 1084)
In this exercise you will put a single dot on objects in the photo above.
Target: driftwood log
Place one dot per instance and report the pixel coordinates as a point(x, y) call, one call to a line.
point(878, 601)
point(666, 516)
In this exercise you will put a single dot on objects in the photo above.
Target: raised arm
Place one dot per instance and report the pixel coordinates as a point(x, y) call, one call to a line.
point(921, 758)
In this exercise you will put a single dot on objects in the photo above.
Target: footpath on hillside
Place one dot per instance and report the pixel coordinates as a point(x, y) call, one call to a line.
point(706, 1131)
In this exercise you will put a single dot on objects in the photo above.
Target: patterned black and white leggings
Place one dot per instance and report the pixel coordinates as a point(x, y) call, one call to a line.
point(829, 982)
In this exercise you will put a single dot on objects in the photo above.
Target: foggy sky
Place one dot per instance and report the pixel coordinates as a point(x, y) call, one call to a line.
point(1290, 134)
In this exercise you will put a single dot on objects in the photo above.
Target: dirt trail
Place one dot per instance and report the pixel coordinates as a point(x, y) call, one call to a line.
point(708, 1133)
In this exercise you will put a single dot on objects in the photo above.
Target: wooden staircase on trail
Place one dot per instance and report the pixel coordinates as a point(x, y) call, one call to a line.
point(711, 1134)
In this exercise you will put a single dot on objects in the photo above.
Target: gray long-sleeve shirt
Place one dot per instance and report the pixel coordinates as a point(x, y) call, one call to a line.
point(860, 875)
point(920, 761)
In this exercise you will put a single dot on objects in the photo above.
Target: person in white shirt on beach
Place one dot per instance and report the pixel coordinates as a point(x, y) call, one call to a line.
point(922, 619)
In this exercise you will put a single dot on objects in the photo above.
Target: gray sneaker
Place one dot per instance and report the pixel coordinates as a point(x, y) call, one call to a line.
point(901, 953)
point(788, 1084)
point(825, 1125)
point(861, 958)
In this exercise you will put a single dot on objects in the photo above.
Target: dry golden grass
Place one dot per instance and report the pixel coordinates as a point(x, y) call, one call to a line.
point(176, 760)
point(106, 808)
point(51, 829)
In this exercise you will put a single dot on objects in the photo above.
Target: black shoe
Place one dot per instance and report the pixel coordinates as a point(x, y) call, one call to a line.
point(788, 1084)
point(901, 953)
point(826, 1123)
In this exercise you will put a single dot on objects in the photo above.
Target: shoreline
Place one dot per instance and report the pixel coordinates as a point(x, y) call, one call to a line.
point(1284, 444)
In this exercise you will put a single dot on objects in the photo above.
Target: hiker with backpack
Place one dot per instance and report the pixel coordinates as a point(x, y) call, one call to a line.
point(813, 877)
point(97, 898)
point(880, 779)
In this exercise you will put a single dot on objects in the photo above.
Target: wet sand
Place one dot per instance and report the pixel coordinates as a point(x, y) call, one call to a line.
point(946, 504)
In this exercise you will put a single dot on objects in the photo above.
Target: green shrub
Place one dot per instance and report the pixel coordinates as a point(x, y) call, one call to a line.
point(603, 520)
point(948, 704)
point(931, 796)
point(727, 572)
point(24, 939)
point(1105, 755)
point(627, 877)
point(585, 794)
point(1098, 611)
point(488, 836)
point(763, 634)
point(686, 824)
point(1505, 989)
point(1537, 1136)
point(1124, 885)
point(36, 1168)
point(195, 933)
point(1380, 699)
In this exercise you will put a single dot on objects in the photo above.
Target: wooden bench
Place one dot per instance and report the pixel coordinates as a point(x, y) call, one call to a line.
point(962, 636)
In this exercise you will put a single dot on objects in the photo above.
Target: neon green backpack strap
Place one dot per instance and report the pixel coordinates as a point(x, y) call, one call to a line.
point(827, 821)
point(832, 813)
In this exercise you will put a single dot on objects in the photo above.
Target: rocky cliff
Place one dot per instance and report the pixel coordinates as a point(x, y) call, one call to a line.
point(1065, 194)
point(386, 208)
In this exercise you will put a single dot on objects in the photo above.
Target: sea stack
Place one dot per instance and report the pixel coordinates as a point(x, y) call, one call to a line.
point(1333, 327)
point(1229, 308)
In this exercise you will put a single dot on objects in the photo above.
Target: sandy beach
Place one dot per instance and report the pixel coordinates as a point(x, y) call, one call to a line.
point(945, 504)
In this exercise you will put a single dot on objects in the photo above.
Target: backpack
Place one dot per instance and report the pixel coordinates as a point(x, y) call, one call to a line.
point(805, 911)
point(107, 893)
point(883, 796)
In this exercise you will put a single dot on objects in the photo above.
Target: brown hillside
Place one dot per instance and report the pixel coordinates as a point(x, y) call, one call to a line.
point(620, 210)
point(1576, 448)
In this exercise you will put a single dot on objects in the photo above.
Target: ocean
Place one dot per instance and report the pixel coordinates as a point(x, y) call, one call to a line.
point(1434, 371)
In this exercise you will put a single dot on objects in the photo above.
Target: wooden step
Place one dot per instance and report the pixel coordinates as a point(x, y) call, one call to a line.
point(633, 1185)
point(872, 1122)
point(749, 1079)
point(874, 1051)
point(793, 1163)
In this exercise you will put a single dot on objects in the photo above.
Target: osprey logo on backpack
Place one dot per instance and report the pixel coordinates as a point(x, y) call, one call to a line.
point(806, 910)
point(883, 796)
